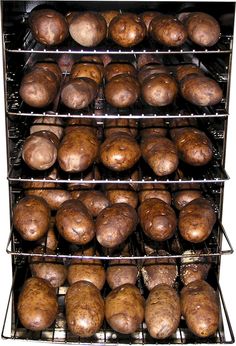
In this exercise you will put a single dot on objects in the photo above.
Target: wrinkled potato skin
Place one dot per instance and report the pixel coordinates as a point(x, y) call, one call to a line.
point(31, 217)
point(196, 220)
point(124, 309)
point(120, 272)
point(84, 309)
point(162, 311)
point(200, 308)
point(37, 305)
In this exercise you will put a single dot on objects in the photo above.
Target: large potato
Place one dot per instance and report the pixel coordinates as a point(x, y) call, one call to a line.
point(120, 272)
point(200, 308)
point(157, 219)
point(124, 309)
point(196, 220)
point(78, 150)
point(162, 311)
point(84, 309)
point(48, 268)
point(74, 222)
point(119, 152)
point(37, 306)
point(86, 269)
point(94, 201)
point(114, 224)
point(31, 217)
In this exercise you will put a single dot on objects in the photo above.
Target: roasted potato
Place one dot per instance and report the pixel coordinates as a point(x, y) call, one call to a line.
point(187, 69)
point(183, 197)
point(151, 69)
point(94, 201)
point(54, 197)
point(88, 70)
point(159, 191)
point(46, 123)
point(120, 272)
point(128, 126)
point(122, 195)
point(152, 126)
point(117, 68)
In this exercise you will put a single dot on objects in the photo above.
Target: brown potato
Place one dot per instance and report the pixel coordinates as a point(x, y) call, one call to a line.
point(146, 59)
point(200, 308)
point(78, 150)
point(38, 88)
point(156, 271)
point(183, 197)
point(161, 154)
point(193, 145)
point(193, 267)
point(187, 69)
point(148, 16)
point(94, 201)
point(120, 272)
point(152, 126)
point(78, 93)
point(182, 122)
point(114, 224)
point(200, 90)
point(88, 29)
point(84, 309)
point(88, 70)
point(157, 219)
point(120, 152)
point(121, 195)
point(52, 66)
point(84, 269)
point(124, 309)
point(122, 91)
point(31, 217)
point(129, 126)
point(159, 90)
point(108, 15)
point(74, 223)
point(115, 69)
point(71, 15)
point(202, 29)
point(168, 30)
point(151, 69)
point(196, 220)
point(162, 311)
point(48, 268)
point(91, 174)
point(40, 150)
point(50, 240)
point(37, 306)
point(47, 123)
point(48, 26)
point(159, 191)
point(127, 30)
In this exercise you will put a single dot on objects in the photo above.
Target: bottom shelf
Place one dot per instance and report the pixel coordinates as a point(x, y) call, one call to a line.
point(58, 332)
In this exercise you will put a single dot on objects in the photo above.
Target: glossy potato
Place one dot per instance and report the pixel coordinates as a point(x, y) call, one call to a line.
point(94, 201)
point(116, 68)
point(88, 70)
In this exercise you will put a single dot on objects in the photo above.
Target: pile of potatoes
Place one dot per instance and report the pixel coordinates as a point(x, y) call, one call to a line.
point(89, 28)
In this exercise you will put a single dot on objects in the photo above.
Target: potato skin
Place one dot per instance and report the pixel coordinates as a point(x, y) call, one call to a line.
point(151, 69)
point(74, 222)
point(168, 30)
point(202, 29)
point(155, 126)
point(161, 154)
point(193, 145)
point(148, 16)
point(45, 123)
point(37, 305)
point(128, 126)
point(200, 90)
point(48, 268)
point(162, 311)
point(127, 196)
point(159, 191)
point(77, 150)
point(157, 219)
point(50, 240)
point(114, 224)
point(84, 269)
point(31, 217)
point(187, 69)
point(183, 197)
point(124, 309)
point(196, 220)
point(88, 70)
point(127, 30)
point(94, 201)
point(48, 26)
point(200, 308)
point(119, 152)
point(54, 197)
point(120, 272)
point(84, 309)
point(115, 69)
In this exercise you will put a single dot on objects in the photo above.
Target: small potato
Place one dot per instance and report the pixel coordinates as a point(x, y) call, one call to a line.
point(124, 309)
point(159, 191)
point(88, 28)
point(94, 201)
point(202, 29)
point(115, 69)
point(31, 217)
point(74, 222)
point(200, 308)
point(37, 306)
point(157, 219)
point(84, 269)
point(129, 126)
point(46, 123)
point(127, 196)
point(156, 271)
point(88, 70)
point(84, 309)
point(196, 220)
point(162, 311)
point(183, 197)
point(120, 152)
point(120, 272)
point(127, 30)
point(48, 268)
point(114, 224)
